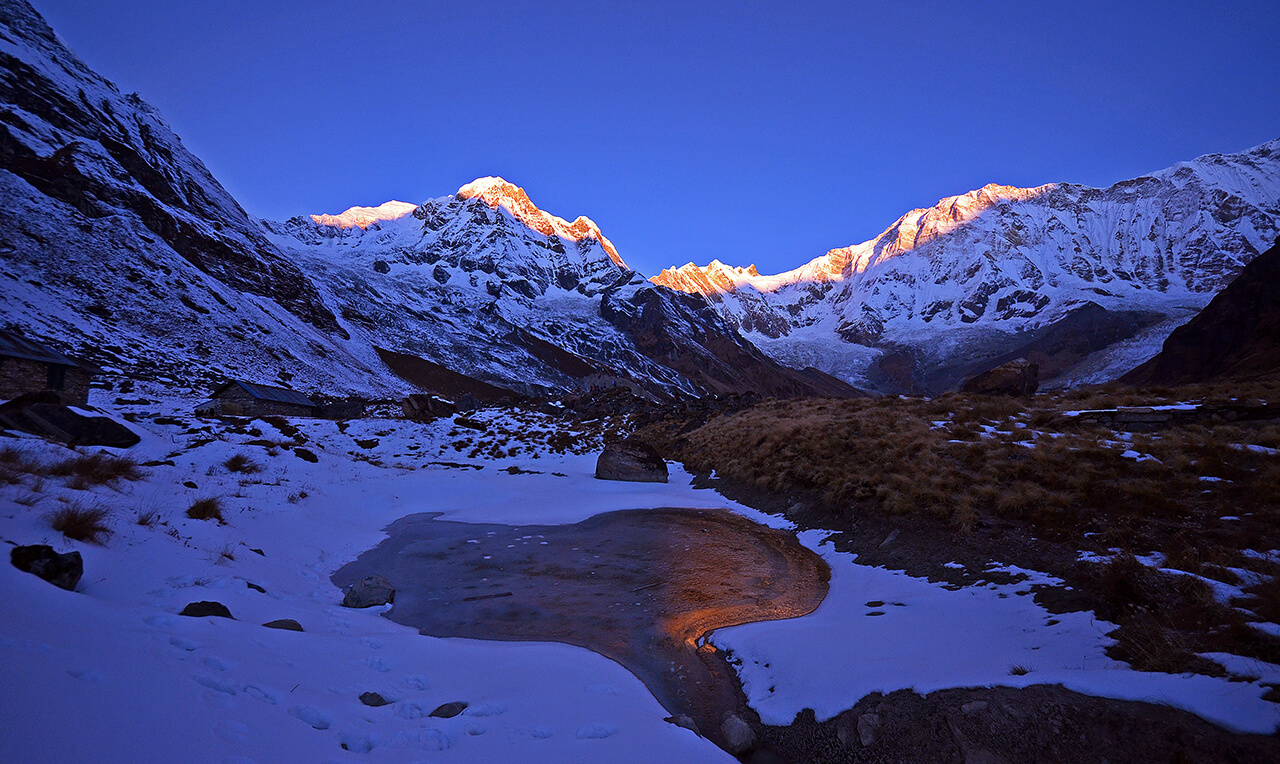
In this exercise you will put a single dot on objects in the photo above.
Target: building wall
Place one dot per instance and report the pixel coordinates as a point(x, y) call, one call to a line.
point(19, 375)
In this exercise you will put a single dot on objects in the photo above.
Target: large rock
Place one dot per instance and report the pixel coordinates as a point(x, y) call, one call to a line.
point(205, 608)
point(1018, 377)
point(424, 408)
point(631, 460)
point(739, 738)
point(66, 426)
point(61, 570)
point(369, 591)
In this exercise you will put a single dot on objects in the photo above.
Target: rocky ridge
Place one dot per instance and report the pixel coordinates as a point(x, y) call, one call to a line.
point(990, 267)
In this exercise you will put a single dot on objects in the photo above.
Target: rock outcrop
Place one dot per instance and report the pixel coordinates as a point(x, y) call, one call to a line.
point(369, 592)
point(631, 460)
point(1236, 336)
point(1017, 377)
point(61, 570)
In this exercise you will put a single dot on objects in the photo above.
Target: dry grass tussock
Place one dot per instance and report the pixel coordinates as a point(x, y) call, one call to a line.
point(961, 460)
point(86, 470)
point(81, 523)
point(209, 508)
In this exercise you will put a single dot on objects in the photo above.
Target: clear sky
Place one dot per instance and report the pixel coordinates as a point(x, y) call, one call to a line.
point(751, 132)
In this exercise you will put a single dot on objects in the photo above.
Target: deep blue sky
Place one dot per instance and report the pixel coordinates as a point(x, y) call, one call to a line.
point(750, 132)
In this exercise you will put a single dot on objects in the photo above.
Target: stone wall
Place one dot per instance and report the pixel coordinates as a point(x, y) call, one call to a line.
point(20, 375)
point(1147, 419)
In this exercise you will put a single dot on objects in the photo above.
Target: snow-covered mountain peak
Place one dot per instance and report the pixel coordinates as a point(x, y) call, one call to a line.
point(363, 217)
point(497, 192)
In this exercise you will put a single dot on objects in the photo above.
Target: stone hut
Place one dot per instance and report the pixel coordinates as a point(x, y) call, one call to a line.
point(240, 398)
point(27, 366)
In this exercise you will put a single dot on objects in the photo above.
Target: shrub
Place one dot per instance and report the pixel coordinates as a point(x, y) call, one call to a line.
point(209, 508)
point(96, 469)
point(241, 463)
point(81, 523)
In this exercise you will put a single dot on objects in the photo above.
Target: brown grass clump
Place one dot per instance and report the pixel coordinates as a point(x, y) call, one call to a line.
point(88, 524)
point(85, 470)
point(15, 466)
point(965, 459)
point(242, 464)
point(209, 508)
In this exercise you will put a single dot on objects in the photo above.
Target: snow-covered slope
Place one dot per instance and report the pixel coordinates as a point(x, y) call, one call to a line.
point(119, 246)
point(486, 283)
point(1001, 261)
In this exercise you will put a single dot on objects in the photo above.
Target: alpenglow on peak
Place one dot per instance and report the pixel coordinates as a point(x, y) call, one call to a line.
point(497, 192)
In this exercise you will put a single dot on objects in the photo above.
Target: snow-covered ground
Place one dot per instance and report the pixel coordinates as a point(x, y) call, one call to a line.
point(111, 672)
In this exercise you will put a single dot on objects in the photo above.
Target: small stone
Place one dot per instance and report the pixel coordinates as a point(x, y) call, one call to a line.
point(257, 551)
point(190, 484)
point(288, 624)
point(738, 735)
point(867, 726)
point(205, 608)
point(255, 587)
point(61, 570)
point(449, 710)
point(373, 699)
point(686, 721)
point(974, 706)
point(369, 591)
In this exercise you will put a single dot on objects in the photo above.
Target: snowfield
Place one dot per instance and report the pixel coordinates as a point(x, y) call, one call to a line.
point(111, 672)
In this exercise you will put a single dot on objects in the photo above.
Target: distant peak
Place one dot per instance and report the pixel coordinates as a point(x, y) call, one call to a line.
point(497, 192)
point(363, 217)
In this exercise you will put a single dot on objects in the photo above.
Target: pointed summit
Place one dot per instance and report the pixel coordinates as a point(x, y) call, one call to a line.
point(497, 192)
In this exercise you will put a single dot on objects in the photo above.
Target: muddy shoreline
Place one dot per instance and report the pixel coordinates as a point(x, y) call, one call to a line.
point(642, 587)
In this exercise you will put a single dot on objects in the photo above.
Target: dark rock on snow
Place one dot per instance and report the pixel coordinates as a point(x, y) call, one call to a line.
point(206, 607)
point(449, 710)
point(288, 624)
point(424, 408)
point(1018, 377)
point(373, 699)
point(61, 570)
point(369, 591)
point(60, 423)
point(631, 460)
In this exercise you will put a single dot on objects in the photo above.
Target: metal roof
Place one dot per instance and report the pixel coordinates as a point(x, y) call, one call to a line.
point(268, 393)
point(15, 346)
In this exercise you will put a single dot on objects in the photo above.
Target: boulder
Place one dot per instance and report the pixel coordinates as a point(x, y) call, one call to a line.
point(449, 710)
point(424, 408)
point(631, 460)
point(369, 591)
point(739, 738)
point(1018, 377)
point(66, 426)
point(205, 608)
point(288, 624)
point(686, 721)
point(373, 699)
point(61, 570)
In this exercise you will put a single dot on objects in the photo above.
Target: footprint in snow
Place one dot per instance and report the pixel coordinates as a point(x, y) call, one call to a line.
point(231, 731)
point(312, 716)
point(215, 663)
point(600, 689)
point(417, 682)
point(184, 644)
point(485, 709)
point(596, 731)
